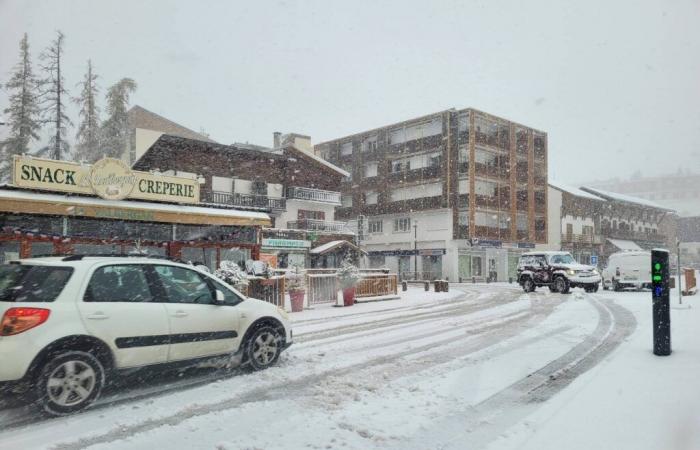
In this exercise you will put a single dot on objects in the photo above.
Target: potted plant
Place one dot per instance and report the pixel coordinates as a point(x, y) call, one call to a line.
point(232, 274)
point(348, 276)
point(296, 285)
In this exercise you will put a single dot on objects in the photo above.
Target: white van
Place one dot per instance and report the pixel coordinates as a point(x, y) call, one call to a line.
point(628, 269)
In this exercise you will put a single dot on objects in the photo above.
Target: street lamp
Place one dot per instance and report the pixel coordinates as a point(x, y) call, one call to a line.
point(415, 249)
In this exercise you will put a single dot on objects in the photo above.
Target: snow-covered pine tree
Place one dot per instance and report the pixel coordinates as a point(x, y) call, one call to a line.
point(53, 94)
point(23, 111)
point(87, 145)
point(115, 129)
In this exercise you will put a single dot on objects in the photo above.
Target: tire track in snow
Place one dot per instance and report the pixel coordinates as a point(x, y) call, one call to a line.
point(485, 421)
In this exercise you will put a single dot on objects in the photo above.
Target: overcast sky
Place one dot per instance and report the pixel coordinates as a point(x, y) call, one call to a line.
point(615, 84)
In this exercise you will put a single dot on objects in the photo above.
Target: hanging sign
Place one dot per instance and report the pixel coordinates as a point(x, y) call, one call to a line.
point(109, 178)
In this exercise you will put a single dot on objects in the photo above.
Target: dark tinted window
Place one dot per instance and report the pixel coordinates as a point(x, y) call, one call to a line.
point(119, 283)
point(24, 283)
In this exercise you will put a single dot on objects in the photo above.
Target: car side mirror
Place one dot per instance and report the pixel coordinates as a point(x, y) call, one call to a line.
point(219, 297)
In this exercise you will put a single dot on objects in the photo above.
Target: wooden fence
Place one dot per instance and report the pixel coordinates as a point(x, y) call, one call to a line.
point(375, 285)
point(321, 288)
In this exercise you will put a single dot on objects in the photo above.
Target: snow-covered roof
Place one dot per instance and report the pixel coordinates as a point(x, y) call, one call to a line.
point(322, 161)
point(625, 245)
point(328, 246)
point(574, 191)
point(29, 196)
point(623, 198)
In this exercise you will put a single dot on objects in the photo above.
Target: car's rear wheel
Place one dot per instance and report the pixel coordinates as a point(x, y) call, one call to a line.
point(263, 348)
point(70, 382)
point(561, 285)
point(616, 286)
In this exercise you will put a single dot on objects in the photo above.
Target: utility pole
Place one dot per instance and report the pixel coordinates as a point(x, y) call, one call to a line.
point(415, 249)
point(678, 253)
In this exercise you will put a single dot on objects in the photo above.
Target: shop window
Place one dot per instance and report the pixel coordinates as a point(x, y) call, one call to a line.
point(96, 249)
point(41, 248)
point(8, 251)
point(200, 256)
point(237, 255)
point(376, 261)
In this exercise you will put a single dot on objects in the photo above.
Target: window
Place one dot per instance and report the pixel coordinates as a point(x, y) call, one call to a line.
point(371, 197)
point(588, 230)
point(402, 225)
point(119, 283)
point(346, 200)
point(309, 214)
point(396, 166)
point(376, 226)
point(259, 188)
point(369, 144)
point(222, 184)
point(370, 170)
point(346, 149)
point(24, 283)
point(185, 285)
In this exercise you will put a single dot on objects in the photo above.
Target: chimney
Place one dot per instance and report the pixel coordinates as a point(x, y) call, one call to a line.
point(276, 136)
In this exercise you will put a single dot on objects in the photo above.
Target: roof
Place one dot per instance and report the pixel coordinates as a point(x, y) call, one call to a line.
point(142, 118)
point(320, 160)
point(332, 245)
point(574, 191)
point(625, 245)
point(624, 198)
point(31, 202)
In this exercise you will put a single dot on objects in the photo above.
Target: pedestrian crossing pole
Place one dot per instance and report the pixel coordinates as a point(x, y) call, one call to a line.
point(660, 302)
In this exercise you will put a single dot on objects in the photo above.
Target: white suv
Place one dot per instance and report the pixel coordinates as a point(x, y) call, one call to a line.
point(70, 323)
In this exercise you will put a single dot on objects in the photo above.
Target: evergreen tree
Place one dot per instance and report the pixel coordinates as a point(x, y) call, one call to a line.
point(115, 129)
point(53, 94)
point(87, 147)
point(23, 111)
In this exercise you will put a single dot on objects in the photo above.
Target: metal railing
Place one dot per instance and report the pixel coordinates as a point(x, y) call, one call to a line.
point(270, 289)
point(322, 288)
point(316, 225)
point(376, 285)
point(313, 195)
point(633, 235)
point(243, 200)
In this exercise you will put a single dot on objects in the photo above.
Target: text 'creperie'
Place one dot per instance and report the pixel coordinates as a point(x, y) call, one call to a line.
point(166, 188)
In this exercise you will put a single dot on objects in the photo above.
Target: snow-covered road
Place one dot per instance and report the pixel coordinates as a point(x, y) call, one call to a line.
point(427, 371)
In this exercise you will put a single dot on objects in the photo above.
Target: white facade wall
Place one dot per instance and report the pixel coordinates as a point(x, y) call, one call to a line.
point(554, 221)
point(293, 207)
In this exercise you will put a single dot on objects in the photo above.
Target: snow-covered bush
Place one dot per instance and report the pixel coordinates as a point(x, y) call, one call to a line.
point(348, 275)
point(232, 274)
point(296, 280)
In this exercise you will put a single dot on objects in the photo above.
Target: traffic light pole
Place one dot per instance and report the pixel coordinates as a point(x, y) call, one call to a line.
point(661, 309)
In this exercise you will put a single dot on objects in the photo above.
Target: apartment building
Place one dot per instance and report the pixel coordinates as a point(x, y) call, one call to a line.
point(297, 189)
point(456, 194)
point(592, 223)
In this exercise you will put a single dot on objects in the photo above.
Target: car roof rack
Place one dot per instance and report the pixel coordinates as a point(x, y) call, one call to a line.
point(114, 255)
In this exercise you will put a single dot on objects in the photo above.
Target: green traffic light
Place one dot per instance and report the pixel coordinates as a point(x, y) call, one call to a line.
point(657, 278)
point(657, 266)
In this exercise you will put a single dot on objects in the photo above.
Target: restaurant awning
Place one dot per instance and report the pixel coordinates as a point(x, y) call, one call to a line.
point(625, 245)
point(28, 202)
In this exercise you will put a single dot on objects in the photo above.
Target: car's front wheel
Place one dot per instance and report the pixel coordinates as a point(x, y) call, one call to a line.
point(591, 288)
point(70, 382)
point(528, 285)
point(263, 348)
point(561, 285)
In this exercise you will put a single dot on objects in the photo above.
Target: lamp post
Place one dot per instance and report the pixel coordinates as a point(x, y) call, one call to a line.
point(415, 249)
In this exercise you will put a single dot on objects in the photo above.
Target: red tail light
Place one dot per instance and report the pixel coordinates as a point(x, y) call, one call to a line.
point(19, 320)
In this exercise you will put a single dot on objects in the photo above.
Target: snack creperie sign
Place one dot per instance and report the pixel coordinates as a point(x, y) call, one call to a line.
point(108, 178)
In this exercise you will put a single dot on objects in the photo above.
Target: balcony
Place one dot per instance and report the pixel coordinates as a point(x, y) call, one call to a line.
point(633, 235)
point(589, 239)
point(317, 225)
point(314, 195)
point(242, 200)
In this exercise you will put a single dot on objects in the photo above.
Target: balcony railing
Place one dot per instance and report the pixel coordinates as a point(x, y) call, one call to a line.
point(633, 235)
point(313, 195)
point(581, 238)
point(316, 225)
point(243, 200)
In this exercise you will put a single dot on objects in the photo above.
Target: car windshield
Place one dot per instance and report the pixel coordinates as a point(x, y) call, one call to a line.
point(562, 259)
point(31, 283)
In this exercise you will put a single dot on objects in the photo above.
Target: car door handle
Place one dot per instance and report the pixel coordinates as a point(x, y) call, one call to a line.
point(180, 314)
point(98, 316)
